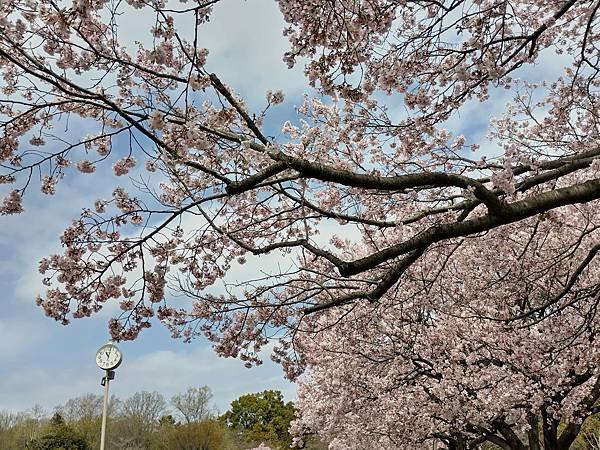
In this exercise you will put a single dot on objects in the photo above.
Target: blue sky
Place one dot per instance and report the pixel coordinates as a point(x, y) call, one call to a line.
point(45, 363)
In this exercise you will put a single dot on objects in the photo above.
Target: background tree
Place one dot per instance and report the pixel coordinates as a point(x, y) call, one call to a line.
point(9, 419)
point(207, 434)
point(59, 435)
point(455, 283)
point(20, 431)
point(17, 430)
point(141, 414)
point(193, 404)
point(167, 420)
point(262, 417)
point(87, 406)
point(84, 414)
point(146, 407)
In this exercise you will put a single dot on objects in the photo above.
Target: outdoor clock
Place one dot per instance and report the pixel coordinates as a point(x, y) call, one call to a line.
point(108, 357)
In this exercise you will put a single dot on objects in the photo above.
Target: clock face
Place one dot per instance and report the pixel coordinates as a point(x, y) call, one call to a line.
point(108, 357)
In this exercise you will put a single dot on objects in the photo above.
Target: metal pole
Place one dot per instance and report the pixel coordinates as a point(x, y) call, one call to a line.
point(104, 411)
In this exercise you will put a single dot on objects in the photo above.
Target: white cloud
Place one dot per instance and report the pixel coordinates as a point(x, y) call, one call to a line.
point(246, 44)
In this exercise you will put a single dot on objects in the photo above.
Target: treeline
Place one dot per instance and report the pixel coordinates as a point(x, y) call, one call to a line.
point(147, 421)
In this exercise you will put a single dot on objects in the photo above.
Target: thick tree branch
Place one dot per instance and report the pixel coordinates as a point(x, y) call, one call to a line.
point(509, 435)
point(514, 212)
point(252, 181)
point(326, 173)
point(387, 281)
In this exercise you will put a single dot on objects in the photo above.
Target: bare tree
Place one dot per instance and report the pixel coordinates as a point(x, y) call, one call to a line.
point(193, 404)
point(9, 419)
point(146, 407)
point(87, 406)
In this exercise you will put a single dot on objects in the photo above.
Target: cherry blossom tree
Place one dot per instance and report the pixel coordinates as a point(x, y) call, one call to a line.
point(455, 299)
point(491, 348)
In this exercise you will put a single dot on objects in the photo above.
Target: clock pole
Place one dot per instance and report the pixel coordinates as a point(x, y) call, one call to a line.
point(105, 381)
point(110, 375)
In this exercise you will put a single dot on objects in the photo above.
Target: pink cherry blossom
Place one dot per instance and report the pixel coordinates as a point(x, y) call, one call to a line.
point(12, 204)
point(122, 166)
point(86, 166)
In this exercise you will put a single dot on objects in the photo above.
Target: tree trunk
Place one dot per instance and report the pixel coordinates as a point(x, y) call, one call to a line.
point(457, 443)
point(550, 429)
point(533, 436)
